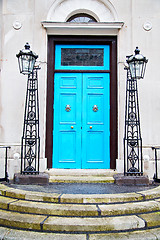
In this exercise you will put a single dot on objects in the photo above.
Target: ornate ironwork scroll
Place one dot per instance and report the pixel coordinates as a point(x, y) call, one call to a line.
point(30, 147)
point(132, 135)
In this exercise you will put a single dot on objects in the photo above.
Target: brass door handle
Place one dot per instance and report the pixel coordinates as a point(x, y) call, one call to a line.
point(90, 127)
point(72, 127)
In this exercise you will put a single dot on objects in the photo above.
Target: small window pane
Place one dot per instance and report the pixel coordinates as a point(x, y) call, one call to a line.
point(82, 56)
point(81, 18)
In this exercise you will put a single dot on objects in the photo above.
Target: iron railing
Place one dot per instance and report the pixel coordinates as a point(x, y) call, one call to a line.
point(155, 177)
point(6, 163)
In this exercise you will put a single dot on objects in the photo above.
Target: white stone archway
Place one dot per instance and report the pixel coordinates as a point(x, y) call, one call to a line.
point(101, 10)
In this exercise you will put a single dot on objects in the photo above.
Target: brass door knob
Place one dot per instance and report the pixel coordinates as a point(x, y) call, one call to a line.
point(90, 127)
point(72, 127)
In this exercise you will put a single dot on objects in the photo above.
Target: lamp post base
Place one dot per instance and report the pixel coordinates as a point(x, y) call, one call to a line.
point(41, 178)
point(122, 180)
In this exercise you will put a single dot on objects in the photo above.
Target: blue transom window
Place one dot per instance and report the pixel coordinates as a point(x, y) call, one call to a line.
point(81, 57)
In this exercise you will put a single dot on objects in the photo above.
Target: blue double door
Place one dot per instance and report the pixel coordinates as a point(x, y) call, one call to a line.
point(81, 128)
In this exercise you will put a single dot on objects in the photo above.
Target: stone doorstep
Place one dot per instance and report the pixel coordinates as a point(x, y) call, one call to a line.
point(79, 210)
point(81, 172)
point(69, 224)
point(81, 179)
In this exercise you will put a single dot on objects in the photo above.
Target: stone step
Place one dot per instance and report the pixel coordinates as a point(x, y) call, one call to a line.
point(86, 214)
point(14, 234)
point(81, 172)
point(103, 224)
point(81, 179)
point(78, 225)
point(53, 209)
point(72, 224)
point(78, 210)
point(79, 198)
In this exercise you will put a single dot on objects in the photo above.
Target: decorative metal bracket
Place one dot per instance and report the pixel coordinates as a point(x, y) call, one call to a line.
point(68, 108)
point(95, 108)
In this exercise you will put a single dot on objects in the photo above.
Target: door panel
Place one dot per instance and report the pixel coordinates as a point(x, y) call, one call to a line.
point(96, 121)
point(95, 149)
point(67, 109)
point(81, 135)
point(67, 120)
point(94, 108)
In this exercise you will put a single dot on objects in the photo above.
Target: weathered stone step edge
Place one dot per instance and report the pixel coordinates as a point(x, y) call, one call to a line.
point(78, 210)
point(81, 172)
point(74, 225)
point(77, 179)
point(80, 198)
point(8, 234)
point(79, 225)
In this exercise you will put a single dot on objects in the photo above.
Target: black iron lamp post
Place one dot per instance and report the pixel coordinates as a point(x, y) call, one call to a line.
point(30, 145)
point(132, 137)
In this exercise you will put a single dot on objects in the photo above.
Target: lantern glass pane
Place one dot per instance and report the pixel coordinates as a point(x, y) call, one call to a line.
point(20, 64)
point(136, 68)
point(132, 69)
point(143, 69)
point(31, 65)
point(139, 69)
point(26, 64)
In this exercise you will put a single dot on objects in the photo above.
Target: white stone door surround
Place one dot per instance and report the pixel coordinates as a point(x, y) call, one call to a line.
point(102, 10)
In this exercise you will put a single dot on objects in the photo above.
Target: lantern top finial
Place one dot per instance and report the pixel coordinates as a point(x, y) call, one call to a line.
point(27, 46)
point(137, 51)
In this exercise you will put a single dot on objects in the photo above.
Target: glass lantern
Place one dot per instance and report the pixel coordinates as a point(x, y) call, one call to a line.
point(26, 60)
point(137, 64)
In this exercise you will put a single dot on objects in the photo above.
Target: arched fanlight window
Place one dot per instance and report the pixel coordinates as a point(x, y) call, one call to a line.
point(81, 18)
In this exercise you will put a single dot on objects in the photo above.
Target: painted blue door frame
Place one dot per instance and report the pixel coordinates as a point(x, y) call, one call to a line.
point(81, 130)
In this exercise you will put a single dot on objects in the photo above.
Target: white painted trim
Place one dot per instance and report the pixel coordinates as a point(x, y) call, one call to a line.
point(62, 28)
